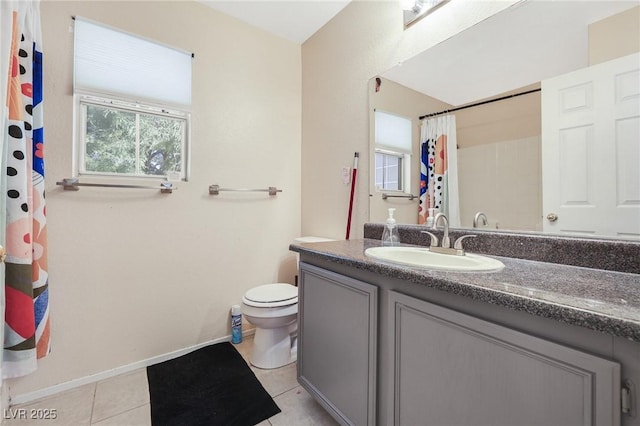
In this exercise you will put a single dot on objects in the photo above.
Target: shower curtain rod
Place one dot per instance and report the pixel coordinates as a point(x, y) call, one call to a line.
point(480, 103)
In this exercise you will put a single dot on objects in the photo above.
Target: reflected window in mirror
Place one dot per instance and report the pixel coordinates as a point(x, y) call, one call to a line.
point(389, 171)
point(393, 136)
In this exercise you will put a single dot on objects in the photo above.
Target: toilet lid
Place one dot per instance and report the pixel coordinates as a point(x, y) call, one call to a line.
point(271, 293)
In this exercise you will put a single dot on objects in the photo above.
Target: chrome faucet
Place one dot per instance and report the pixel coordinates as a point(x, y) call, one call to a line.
point(445, 247)
point(446, 242)
point(477, 217)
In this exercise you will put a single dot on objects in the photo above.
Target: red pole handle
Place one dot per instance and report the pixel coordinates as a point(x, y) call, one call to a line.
point(353, 188)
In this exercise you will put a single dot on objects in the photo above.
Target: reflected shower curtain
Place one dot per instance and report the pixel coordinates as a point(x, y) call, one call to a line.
point(439, 169)
point(26, 292)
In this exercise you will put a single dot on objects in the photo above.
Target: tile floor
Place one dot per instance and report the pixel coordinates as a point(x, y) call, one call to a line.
point(124, 401)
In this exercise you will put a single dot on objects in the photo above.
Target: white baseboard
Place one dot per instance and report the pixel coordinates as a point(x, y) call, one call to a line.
point(52, 390)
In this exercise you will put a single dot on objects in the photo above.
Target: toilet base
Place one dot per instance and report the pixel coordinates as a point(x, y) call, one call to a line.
point(273, 348)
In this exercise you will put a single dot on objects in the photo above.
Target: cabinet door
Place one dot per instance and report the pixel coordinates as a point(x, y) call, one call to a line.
point(454, 369)
point(337, 343)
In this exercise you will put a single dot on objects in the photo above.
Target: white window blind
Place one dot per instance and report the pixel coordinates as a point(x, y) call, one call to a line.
point(393, 132)
point(116, 63)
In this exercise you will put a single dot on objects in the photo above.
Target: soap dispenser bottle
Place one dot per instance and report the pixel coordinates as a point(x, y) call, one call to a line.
point(390, 236)
point(429, 221)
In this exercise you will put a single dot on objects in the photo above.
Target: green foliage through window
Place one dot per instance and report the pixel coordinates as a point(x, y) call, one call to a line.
point(134, 143)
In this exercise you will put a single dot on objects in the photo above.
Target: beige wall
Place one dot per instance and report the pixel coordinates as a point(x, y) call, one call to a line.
point(364, 40)
point(614, 37)
point(506, 120)
point(135, 274)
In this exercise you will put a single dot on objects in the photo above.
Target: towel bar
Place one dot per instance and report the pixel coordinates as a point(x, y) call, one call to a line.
point(73, 184)
point(215, 190)
point(409, 196)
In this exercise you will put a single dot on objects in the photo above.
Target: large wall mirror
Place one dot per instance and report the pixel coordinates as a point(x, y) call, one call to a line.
point(502, 168)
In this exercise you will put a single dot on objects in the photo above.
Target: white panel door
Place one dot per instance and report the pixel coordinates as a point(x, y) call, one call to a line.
point(591, 150)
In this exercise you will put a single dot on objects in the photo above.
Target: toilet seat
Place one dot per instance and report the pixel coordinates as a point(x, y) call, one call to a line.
point(271, 295)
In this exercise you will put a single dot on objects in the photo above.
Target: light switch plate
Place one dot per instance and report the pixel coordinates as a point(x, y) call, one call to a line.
point(346, 175)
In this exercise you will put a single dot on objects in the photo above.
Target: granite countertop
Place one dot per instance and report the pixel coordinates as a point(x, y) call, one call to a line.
point(605, 301)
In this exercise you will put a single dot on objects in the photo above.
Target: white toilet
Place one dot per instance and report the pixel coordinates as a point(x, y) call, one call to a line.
point(273, 309)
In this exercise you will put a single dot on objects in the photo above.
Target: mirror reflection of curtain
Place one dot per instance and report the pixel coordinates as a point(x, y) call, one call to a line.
point(439, 169)
point(26, 289)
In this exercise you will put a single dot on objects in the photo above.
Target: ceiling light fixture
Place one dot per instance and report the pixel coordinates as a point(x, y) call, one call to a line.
point(414, 6)
point(414, 10)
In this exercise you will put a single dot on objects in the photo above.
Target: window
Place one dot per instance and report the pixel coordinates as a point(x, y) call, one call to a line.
point(120, 139)
point(389, 171)
point(392, 152)
point(132, 102)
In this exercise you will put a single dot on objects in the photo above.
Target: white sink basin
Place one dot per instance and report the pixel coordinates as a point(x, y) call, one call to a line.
point(418, 256)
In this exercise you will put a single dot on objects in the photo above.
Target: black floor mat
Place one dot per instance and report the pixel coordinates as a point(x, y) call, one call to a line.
point(209, 386)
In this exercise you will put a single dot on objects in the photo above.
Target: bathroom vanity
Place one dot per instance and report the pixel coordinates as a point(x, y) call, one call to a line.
point(537, 343)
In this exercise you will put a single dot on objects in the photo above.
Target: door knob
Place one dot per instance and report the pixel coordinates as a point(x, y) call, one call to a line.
point(552, 217)
point(3, 254)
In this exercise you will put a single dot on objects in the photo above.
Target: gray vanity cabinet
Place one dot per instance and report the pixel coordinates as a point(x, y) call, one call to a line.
point(337, 345)
point(450, 368)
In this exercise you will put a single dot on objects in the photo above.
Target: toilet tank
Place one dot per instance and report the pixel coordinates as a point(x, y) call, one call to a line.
point(301, 240)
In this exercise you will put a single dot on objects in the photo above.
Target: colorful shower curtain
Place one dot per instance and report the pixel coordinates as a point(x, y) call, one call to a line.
point(439, 169)
point(26, 290)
